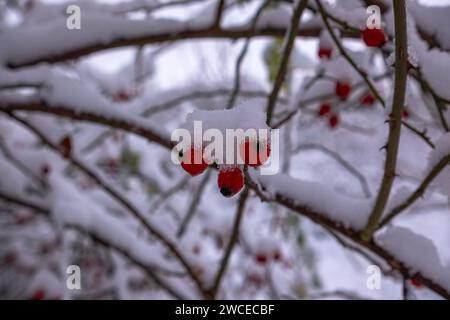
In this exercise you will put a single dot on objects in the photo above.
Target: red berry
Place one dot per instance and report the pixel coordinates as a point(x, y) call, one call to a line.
point(324, 53)
point(277, 256)
point(333, 121)
point(193, 162)
point(373, 37)
point(368, 99)
point(343, 90)
point(405, 114)
point(324, 109)
point(230, 181)
point(254, 152)
point(261, 258)
point(416, 283)
point(38, 295)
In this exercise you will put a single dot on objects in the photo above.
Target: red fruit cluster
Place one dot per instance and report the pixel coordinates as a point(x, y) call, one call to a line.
point(325, 110)
point(374, 38)
point(253, 152)
point(324, 53)
point(343, 90)
point(263, 258)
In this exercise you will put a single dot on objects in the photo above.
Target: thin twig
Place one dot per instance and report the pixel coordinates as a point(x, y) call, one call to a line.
point(351, 169)
point(282, 68)
point(234, 236)
point(148, 269)
point(237, 70)
point(345, 54)
point(195, 201)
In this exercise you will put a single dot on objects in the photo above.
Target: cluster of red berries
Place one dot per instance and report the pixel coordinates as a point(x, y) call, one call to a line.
point(230, 181)
point(342, 91)
point(325, 110)
point(263, 258)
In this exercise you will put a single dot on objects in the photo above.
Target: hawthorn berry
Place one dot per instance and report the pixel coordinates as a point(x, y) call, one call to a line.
point(38, 295)
point(193, 162)
point(368, 99)
point(324, 53)
point(343, 89)
point(373, 37)
point(416, 283)
point(261, 258)
point(333, 121)
point(324, 109)
point(405, 114)
point(230, 181)
point(277, 256)
point(254, 152)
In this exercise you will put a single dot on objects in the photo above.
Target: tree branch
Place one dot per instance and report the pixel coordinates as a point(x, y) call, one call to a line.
point(401, 71)
point(114, 194)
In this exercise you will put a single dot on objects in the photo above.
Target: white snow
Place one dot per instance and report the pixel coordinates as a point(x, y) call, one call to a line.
point(320, 198)
point(417, 252)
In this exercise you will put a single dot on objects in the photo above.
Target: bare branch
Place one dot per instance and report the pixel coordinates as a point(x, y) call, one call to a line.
point(401, 72)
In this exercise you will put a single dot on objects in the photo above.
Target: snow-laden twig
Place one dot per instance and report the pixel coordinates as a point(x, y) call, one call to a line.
point(117, 196)
point(98, 237)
